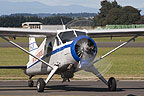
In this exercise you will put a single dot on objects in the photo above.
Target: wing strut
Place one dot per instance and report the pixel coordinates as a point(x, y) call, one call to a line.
point(123, 44)
point(25, 50)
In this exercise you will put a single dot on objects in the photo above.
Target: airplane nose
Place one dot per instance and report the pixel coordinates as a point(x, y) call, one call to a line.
point(84, 48)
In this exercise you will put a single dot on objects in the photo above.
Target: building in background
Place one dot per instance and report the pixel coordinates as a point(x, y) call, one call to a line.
point(38, 25)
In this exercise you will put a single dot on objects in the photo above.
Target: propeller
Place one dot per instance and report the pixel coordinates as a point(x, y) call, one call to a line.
point(85, 49)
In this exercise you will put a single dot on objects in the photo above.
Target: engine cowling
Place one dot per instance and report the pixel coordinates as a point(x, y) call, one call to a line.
point(84, 49)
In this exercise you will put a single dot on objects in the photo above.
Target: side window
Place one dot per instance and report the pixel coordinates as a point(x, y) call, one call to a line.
point(57, 41)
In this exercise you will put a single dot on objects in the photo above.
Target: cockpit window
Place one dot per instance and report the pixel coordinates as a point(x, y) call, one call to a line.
point(79, 33)
point(67, 36)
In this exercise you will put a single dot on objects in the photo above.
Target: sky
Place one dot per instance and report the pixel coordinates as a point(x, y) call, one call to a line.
point(87, 3)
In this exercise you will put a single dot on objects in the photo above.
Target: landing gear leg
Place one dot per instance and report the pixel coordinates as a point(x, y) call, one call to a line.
point(41, 83)
point(111, 83)
point(30, 82)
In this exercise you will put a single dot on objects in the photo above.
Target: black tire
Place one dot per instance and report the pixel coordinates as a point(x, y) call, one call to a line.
point(30, 83)
point(40, 85)
point(112, 85)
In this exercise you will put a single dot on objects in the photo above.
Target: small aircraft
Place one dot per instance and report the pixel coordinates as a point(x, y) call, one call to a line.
point(64, 52)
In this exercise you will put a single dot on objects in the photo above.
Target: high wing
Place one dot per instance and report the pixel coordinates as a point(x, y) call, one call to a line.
point(19, 32)
point(116, 32)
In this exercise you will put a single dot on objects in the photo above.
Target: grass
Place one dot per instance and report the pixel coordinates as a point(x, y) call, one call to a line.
point(9, 57)
point(126, 62)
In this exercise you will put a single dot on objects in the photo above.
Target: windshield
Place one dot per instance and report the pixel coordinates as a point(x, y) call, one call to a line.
point(79, 33)
point(67, 36)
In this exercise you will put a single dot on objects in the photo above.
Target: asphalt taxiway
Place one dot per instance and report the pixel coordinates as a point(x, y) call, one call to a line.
point(99, 44)
point(73, 88)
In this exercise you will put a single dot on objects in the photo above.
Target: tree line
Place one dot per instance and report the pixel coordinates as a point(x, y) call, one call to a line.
point(78, 15)
point(16, 21)
point(112, 13)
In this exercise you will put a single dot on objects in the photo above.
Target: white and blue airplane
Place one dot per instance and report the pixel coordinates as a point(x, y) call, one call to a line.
point(64, 52)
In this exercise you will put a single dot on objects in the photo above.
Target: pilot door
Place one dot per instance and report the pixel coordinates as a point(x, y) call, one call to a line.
point(47, 56)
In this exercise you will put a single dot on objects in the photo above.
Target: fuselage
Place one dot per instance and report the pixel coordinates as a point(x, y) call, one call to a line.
point(67, 50)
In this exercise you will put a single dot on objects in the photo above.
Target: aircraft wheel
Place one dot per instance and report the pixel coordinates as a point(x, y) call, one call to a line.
point(40, 85)
point(30, 83)
point(112, 84)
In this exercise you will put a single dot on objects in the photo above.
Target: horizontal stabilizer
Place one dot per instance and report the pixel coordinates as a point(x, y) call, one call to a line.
point(13, 67)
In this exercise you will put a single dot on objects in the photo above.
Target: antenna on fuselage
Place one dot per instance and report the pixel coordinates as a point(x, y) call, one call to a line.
point(64, 27)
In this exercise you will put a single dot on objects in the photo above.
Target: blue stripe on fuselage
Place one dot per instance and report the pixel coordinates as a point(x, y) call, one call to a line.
point(52, 53)
point(60, 49)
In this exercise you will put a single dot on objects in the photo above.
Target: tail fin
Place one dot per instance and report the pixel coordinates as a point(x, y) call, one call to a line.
point(32, 46)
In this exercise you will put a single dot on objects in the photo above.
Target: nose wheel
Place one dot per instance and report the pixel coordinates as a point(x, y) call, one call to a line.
point(112, 84)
